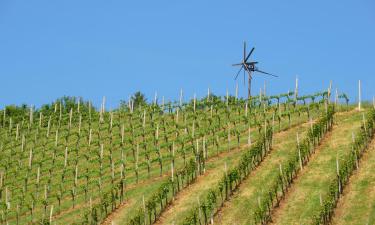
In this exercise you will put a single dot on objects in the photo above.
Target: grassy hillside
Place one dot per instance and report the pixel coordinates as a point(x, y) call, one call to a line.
point(70, 163)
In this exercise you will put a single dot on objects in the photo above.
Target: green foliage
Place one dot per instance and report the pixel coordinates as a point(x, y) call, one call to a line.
point(272, 195)
point(347, 166)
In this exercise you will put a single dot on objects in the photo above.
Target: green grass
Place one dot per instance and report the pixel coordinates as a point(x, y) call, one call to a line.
point(14, 161)
point(241, 207)
point(215, 170)
point(303, 198)
point(357, 205)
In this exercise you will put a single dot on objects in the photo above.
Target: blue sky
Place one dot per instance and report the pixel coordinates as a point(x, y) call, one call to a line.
point(113, 48)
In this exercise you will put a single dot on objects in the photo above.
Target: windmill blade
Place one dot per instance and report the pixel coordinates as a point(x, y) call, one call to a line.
point(237, 64)
point(248, 56)
point(265, 73)
point(238, 73)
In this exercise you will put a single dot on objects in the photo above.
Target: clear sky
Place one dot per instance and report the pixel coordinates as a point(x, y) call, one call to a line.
point(113, 48)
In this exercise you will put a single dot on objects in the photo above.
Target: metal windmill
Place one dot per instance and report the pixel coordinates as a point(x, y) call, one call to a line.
point(248, 67)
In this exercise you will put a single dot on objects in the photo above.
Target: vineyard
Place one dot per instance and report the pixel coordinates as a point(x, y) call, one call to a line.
point(283, 159)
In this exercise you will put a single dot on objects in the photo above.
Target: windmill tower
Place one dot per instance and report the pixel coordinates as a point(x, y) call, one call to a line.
point(249, 68)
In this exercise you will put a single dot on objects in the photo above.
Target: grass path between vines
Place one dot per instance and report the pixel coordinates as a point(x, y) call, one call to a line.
point(189, 197)
point(303, 198)
point(357, 205)
point(240, 208)
point(134, 195)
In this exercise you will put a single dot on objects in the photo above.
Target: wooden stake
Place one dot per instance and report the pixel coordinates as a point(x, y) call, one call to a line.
point(17, 132)
point(208, 94)
point(76, 176)
point(156, 98)
point(122, 133)
point(79, 125)
point(30, 158)
point(144, 119)
point(70, 118)
point(172, 170)
point(78, 104)
point(23, 142)
point(50, 215)
point(31, 115)
point(111, 121)
point(38, 175)
point(144, 209)
point(40, 119)
point(90, 137)
point(48, 126)
point(66, 157)
point(236, 91)
point(299, 152)
point(227, 99)
point(103, 105)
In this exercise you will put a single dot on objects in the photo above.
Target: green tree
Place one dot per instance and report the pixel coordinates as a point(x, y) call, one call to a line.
point(139, 99)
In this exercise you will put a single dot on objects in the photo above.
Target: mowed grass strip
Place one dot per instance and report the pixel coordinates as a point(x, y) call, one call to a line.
point(240, 208)
point(303, 199)
point(357, 205)
point(214, 172)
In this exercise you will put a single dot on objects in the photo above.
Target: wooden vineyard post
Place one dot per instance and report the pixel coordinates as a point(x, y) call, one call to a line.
point(329, 92)
point(338, 172)
point(228, 137)
point(181, 96)
point(236, 91)
point(355, 152)
point(273, 126)
point(227, 98)
point(299, 152)
point(144, 210)
point(136, 163)
point(155, 98)
point(51, 214)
